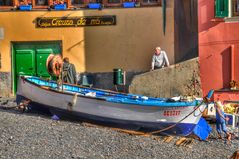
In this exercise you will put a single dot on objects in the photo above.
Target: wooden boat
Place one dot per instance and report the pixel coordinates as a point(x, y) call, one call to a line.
point(108, 107)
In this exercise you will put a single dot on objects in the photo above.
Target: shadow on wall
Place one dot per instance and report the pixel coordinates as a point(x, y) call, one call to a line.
point(206, 15)
point(190, 54)
point(105, 80)
point(226, 67)
point(74, 45)
point(186, 30)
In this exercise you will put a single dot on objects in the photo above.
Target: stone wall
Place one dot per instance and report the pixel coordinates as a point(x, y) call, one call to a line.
point(5, 84)
point(179, 79)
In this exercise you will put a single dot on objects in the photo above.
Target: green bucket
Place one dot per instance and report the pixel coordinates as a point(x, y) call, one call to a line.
point(118, 76)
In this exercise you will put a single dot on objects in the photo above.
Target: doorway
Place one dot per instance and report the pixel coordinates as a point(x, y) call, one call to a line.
point(29, 59)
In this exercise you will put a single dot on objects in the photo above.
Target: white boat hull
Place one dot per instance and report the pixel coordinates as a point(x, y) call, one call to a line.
point(154, 117)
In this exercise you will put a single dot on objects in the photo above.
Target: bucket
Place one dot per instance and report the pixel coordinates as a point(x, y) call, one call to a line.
point(86, 80)
point(118, 76)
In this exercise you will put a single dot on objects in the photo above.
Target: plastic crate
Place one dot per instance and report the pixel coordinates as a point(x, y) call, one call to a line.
point(211, 111)
point(25, 7)
point(231, 120)
point(60, 7)
point(94, 5)
point(128, 4)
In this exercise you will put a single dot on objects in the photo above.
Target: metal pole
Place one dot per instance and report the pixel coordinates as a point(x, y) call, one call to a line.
point(229, 8)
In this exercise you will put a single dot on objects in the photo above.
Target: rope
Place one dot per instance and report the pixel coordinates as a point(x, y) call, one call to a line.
point(171, 126)
point(22, 105)
point(157, 131)
point(161, 130)
point(133, 132)
point(54, 65)
point(7, 107)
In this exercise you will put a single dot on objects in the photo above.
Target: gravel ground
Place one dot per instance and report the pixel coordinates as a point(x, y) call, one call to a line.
point(33, 136)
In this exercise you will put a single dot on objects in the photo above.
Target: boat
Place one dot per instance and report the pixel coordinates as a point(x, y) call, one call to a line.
point(112, 108)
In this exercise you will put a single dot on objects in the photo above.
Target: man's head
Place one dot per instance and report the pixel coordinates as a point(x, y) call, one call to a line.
point(157, 50)
point(66, 60)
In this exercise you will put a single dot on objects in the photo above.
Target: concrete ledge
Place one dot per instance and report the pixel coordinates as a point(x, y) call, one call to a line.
point(179, 79)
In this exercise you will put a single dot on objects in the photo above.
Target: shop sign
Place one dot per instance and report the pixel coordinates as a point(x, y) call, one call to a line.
point(52, 22)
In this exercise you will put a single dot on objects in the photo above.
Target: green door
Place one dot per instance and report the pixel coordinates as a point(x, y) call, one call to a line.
point(25, 64)
point(41, 57)
point(30, 59)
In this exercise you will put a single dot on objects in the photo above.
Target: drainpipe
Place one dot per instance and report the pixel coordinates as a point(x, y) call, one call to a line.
point(233, 61)
point(164, 5)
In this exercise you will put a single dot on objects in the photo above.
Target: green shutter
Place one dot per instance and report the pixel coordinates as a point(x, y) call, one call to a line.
point(221, 8)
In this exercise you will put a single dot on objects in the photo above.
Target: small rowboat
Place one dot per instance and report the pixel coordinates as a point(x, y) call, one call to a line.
point(112, 108)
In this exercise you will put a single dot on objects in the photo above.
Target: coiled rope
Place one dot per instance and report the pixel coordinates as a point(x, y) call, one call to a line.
point(54, 65)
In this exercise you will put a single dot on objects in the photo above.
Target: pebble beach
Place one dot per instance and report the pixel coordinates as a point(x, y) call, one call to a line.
point(33, 135)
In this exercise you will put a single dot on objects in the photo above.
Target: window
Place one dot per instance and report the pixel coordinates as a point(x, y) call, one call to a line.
point(6, 2)
point(95, 1)
point(151, 2)
point(77, 2)
point(41, 2)
point(235, 7)
point(56, 2)
point(114, 1)
point(25, 2)
point(226, 8)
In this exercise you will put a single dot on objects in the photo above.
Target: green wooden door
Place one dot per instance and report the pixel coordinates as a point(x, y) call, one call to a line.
point(41, 57)
point(25, 64)
point(30, 59)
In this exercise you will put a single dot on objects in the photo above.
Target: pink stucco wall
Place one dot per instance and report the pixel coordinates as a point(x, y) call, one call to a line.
point(218, 48)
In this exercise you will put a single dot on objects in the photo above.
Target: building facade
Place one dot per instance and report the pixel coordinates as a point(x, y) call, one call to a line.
point(218, 25)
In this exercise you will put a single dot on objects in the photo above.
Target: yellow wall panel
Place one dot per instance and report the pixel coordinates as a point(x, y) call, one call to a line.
point(129, 44)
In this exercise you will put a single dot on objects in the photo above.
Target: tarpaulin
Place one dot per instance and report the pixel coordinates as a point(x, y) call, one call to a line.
point(202, 129)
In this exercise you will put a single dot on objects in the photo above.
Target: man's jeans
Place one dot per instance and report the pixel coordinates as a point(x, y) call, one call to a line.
point(221, 126)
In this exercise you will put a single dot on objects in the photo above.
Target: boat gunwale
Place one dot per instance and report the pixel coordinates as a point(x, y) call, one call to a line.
point(48, 88)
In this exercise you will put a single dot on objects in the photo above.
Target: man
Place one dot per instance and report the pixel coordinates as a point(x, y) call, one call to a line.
point(69, 72)
point(221, 120)
point(159, 59)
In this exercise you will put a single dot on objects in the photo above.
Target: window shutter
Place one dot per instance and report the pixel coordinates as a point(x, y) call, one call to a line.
point(221, 8)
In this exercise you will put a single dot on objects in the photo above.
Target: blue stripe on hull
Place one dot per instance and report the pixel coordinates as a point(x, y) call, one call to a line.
point(180, 129)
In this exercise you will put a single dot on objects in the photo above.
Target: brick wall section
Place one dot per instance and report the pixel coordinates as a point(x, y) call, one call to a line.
point(5, 84)
point(180, 79)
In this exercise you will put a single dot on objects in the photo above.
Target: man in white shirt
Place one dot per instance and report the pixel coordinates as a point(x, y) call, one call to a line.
point(159, 59)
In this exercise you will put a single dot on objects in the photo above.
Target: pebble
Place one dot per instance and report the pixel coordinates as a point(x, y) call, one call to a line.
point(36, 136)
